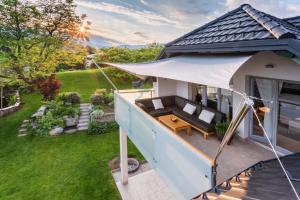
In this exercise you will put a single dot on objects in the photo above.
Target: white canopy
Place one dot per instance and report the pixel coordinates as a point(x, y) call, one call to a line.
point(208, 70)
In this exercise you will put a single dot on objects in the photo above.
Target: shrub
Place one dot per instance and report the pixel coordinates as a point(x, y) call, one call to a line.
point(221, 128)
point(47, 123)
point(49, 87)
point(69, 97)
point(96, 114)
point(58, 109)
point(101, 96)
point(96, 99)
point(100, 128)
point(108, 98)
point(100, 91)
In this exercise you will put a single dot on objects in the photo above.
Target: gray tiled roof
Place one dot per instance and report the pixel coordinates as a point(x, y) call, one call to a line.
point(242, 24)
point(294, 21)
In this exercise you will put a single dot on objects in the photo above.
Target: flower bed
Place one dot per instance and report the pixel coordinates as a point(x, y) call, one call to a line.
point(12, 108)
point(59, 114)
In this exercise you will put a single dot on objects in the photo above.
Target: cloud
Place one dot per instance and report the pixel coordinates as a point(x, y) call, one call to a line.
point(279, 8)
point(145, 21)
point(144, 2)
point(141, 16)
point(142, 35)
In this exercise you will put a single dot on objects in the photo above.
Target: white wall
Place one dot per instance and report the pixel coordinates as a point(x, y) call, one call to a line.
point(284, 69)
point(167, 87)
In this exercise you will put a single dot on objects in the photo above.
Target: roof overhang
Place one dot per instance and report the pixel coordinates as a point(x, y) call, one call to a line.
point(216, 70)
point(290, 45)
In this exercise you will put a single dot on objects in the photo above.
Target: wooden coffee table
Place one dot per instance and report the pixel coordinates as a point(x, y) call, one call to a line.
point(177, 125)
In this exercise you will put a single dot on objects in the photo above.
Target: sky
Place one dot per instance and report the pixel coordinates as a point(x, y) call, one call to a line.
point(140, 22)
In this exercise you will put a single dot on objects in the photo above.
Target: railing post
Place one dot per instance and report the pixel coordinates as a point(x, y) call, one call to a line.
point(123, 157)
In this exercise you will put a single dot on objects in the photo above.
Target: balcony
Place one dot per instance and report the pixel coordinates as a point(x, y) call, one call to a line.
point(184, 162)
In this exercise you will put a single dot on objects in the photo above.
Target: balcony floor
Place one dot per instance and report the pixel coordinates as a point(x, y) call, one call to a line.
point(234, 158)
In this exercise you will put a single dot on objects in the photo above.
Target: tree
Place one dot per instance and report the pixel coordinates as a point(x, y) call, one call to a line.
point(32, 32)
point(71, 56)
point(49, 87)
point(125, 55)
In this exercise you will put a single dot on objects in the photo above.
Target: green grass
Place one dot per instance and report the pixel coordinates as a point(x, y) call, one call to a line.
point(64, 167)
point(85, 82)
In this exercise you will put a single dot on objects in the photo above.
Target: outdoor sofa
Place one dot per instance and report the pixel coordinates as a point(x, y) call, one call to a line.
point(174, 105)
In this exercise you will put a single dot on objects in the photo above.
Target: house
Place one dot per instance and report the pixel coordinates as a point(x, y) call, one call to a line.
point(209, 72)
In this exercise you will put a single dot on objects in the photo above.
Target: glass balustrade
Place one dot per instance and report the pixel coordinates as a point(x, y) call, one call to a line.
point(183, 168)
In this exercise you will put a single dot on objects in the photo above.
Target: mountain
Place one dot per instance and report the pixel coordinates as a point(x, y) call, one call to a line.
point(101, 42)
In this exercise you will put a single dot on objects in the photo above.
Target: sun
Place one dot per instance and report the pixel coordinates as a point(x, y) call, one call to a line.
point(82, 29)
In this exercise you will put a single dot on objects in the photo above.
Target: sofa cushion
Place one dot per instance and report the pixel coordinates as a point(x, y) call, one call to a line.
point(157, 104)
point(160, 112)
point(206, 116)
point(189, 108)
point(193, 120)
point(219, 117)
point(168, 101)
point(198, 109)
point(180, 102)
point(142, 106)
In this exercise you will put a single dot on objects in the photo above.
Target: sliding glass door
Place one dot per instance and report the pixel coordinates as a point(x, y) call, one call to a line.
point(264, 91)
point(277, 104)
point(288, 128)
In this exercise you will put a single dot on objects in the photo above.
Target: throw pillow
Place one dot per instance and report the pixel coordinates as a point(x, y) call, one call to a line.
point(189, 108)
point(206, 116)
point(157, 104)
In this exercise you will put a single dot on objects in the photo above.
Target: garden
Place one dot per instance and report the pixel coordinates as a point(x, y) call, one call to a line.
point(59, 134)
point(40, 166)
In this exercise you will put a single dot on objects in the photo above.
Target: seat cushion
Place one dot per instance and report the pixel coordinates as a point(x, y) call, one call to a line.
point(160, 112)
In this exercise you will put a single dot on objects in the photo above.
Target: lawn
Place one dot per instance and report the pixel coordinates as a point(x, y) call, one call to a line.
point(64, 167)
point(86, 82)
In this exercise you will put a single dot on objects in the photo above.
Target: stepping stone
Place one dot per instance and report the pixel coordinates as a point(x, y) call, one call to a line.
point(26, 121)
point(84, 104)
point(84, 117)
point(73, 130)
point(83, 120)
point(22, 135)
point(24, 125)
point(82, 128)
point(83, 124)
point(22, 130)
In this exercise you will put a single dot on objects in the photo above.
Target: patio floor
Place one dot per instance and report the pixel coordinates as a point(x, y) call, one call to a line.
point(144, 184)
point(234, 158)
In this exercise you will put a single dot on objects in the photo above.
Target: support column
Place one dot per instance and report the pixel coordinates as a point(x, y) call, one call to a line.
point(219, 99)
point(123, 157)
point(204, 94)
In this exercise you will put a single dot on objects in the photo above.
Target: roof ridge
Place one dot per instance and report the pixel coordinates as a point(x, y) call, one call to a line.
point(205, 25)
point(268, 23)
point(290, 18)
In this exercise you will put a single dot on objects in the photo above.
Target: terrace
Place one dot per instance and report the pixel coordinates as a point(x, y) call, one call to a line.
point(190, 152)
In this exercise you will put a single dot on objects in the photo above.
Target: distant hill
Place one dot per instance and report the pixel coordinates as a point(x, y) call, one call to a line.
point(101, 42)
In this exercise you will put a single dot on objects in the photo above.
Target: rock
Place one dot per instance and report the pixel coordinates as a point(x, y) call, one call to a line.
point(71, 121)
point(56, 131)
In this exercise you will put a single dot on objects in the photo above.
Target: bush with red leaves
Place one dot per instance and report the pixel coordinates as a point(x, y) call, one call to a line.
point(49, 87)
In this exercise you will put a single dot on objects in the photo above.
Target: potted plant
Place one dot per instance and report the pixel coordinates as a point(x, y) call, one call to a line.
point(221, 128)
